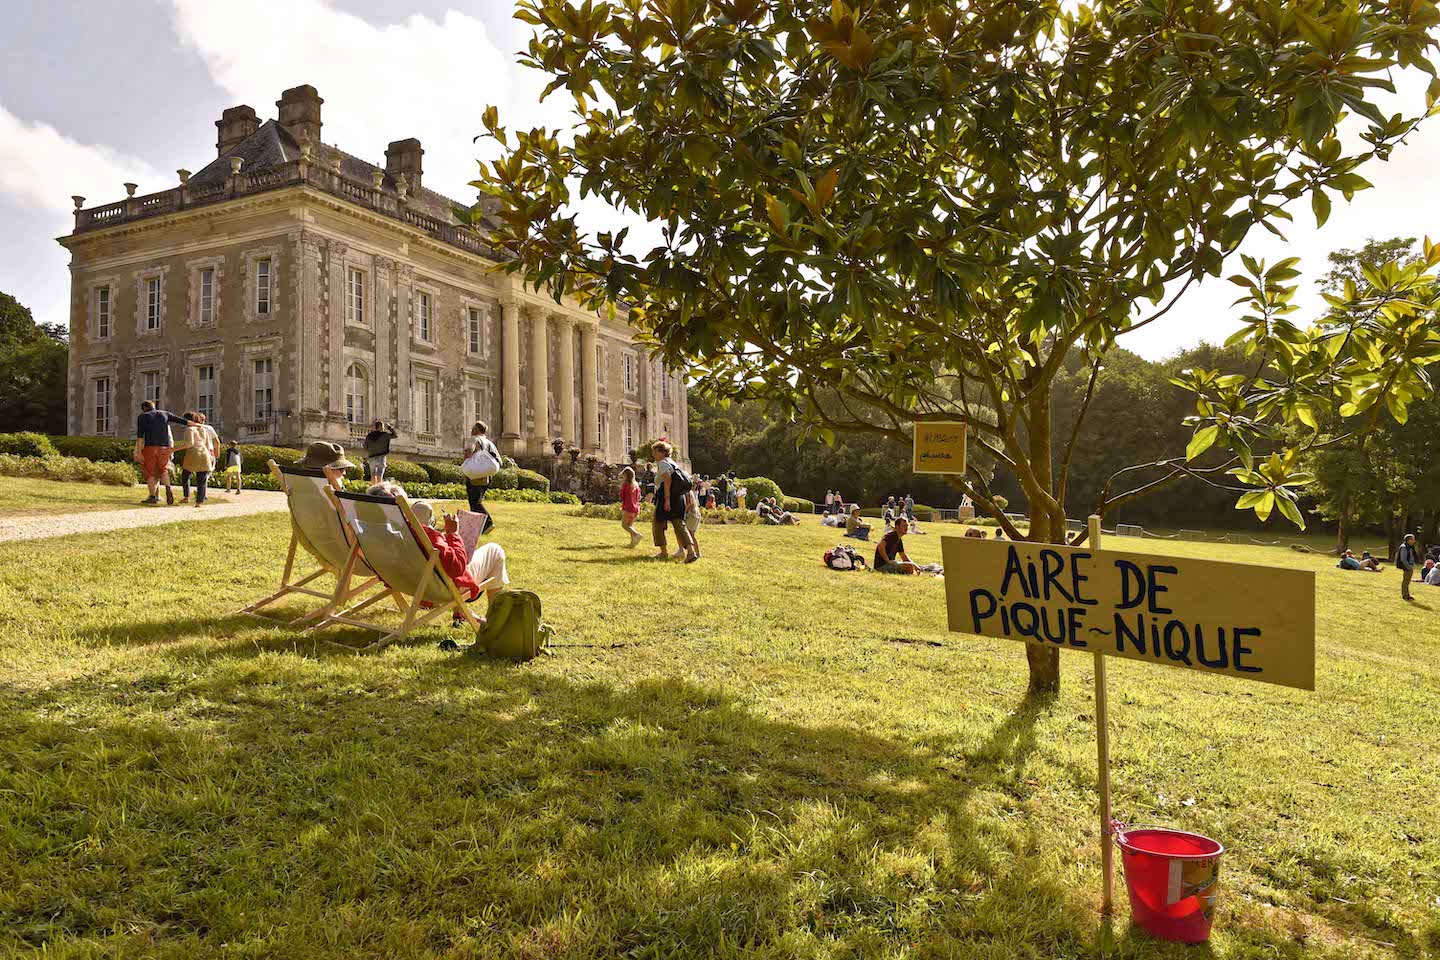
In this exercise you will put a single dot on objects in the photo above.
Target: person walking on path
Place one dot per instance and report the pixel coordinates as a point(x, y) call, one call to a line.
point(475, 490)
point(1407, 558)
point(377, 449)
point(629, 505)
point(153, 448)
point(671, 485)
point(202, 449)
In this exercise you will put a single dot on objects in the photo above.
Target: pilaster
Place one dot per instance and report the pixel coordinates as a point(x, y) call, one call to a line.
point(565, 375)
point(539, 381)
point(589, 391)
point(510, 374)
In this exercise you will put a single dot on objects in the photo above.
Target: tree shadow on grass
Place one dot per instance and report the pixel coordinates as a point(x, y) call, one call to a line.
point(475, 807)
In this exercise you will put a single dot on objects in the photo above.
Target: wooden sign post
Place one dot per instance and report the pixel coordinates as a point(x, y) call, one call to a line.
point(1236, 619)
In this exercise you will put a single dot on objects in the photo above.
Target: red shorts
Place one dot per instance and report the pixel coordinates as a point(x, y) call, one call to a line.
point(154, 461)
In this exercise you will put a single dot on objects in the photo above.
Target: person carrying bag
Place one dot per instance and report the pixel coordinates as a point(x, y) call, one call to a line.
point(482, 461)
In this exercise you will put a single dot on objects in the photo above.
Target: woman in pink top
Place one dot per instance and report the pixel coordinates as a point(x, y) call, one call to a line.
point(629, 505)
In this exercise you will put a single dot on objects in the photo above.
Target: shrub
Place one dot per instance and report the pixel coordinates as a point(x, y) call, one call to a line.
point(760, 488)
point(72, 469)
point(922, 514)
point(26, 445)
point(443, 472)
point(514, 478)
point(611, 511)
point(100, 449)
point(256, 454)
point(400, 471)
point(798, 505)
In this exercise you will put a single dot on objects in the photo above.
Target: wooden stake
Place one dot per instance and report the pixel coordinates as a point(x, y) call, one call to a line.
point(1102, 749)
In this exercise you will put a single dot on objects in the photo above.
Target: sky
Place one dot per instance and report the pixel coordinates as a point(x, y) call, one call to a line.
point(95, 93)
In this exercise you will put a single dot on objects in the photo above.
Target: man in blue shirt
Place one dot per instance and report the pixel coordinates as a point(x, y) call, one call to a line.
point(153, 447)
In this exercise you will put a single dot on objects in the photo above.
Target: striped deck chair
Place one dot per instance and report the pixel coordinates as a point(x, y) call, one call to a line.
point(317, 528)
point(401, 555)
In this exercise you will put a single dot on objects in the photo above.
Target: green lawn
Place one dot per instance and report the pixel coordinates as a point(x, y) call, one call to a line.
point(750, 756)
point(24, 497)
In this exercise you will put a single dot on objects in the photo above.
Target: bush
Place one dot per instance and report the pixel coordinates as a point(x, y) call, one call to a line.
point(26, 445)
point(611, 511)
point(443, 472)
point(400, 471)
point(798, 505)
point(434, 491)
point(761, 488)
point(99, 449)
point(256, 454)
point(514, 478)
point(72, 469)
point(922, 514)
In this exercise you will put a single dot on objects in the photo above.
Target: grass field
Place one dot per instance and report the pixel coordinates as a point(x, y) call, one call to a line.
point(23, 497)
point(750, 756)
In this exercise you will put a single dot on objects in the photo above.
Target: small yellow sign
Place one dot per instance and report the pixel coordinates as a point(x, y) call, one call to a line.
point(1237, 619)
point(939, 446)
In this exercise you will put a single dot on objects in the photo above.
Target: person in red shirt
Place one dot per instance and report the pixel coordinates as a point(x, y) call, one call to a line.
point(629, 505)
point(488, 563)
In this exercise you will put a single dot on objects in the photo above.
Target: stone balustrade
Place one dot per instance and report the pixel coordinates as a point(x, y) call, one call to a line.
point(294, 173)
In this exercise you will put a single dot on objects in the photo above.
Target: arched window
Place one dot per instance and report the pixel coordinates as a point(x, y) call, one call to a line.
point(357, 394)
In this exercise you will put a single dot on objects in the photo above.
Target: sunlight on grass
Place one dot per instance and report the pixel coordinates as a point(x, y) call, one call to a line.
point(749, 756)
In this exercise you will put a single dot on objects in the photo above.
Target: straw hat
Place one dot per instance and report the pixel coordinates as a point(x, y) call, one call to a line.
point(323, 455)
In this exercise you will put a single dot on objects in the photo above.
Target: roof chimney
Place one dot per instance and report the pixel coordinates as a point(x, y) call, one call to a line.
point(403, 158)
point(300, 113)
point(235, 125)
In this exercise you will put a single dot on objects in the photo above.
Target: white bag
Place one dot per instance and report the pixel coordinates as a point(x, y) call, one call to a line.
point(482, 464)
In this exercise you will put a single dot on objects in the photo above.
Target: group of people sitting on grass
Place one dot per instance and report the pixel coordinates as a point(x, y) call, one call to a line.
point(156, 446)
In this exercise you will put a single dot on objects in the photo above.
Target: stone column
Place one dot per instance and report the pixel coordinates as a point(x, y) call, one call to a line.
point(400, 324)
point(540, 380)
point(510, 374)
point(589, 391)
point(334, 347)
point(565, 373)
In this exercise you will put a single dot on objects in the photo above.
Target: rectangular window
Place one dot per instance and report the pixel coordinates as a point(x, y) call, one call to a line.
point(102, 314)
point(262, 287)
point(477, 404)
point(425, 331)
point(629, 373)
point(102, 405)
point(664, 386)
point(355, 296)
point(264, 388)
point(150, 387)
point(152, 303)
point(207, 296)
point(205, 390)
point(425, 406)
point(602, 426)
point(475, 327)
point(629, 435)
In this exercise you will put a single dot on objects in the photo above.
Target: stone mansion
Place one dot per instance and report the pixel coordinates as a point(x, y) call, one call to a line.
point(292, 293)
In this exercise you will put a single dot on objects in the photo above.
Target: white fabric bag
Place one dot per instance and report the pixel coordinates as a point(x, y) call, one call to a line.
point(483, 462)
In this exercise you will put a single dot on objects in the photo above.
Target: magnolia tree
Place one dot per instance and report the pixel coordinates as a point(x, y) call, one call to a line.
point(874, 211)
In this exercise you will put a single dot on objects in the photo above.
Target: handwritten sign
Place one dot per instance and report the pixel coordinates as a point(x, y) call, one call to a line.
point(939, 447)
point(1237, 619)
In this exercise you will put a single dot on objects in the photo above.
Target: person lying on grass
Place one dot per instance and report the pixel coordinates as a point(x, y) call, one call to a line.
point(1348, 562)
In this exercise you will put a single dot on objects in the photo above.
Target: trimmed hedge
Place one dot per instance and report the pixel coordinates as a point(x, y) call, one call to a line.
point(434, 491)
point(71, 469)
point(100, 449)
point(923, 514)
point(798, 505)
point(514, 478)
point(443, 472)
point(27, 444)
point(400, 471)
point(611, 511)
point(760, 488)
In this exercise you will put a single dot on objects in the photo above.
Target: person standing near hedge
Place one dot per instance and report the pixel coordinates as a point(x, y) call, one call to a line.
point(377, 450)
point(234, 462)
point(153, 448)
point(475, 489)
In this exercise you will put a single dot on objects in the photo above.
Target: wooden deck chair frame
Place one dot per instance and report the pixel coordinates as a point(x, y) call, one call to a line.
point(413, 619)
point(344, 591)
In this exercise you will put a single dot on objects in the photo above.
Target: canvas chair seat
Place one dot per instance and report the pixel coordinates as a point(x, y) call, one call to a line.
point(317, 528)
point(399, 553)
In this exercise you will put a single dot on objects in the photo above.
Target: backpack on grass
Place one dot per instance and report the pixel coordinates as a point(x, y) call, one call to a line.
point(513, 627)
point(844, 558)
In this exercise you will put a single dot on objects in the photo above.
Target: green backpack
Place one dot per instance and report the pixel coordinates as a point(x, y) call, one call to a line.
point(513, 627)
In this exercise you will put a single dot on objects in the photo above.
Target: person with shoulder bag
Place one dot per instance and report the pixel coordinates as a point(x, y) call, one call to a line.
point(482, 461)
point(202, 449)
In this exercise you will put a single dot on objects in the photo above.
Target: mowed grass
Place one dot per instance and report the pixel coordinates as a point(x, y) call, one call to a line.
point(751, 756)
point(24, 497)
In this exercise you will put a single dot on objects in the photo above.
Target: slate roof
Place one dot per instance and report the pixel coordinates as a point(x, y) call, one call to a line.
point(271, 146)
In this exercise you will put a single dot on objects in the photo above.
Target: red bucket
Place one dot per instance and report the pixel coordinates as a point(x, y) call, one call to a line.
point(1172, 877)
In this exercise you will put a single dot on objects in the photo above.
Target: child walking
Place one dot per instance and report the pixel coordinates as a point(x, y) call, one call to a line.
point(629, 505)
point(233, 461)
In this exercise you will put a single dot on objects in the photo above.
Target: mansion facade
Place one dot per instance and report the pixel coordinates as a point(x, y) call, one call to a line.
point(293, 293)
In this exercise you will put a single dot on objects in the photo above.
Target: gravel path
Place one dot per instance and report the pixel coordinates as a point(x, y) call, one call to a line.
point(99, 521)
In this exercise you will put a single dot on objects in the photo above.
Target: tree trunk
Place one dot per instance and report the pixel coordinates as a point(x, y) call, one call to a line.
point(1342, 533)
point(1043, 659)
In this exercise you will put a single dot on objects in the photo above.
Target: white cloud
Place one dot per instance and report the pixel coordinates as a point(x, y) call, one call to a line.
point(424, 78)
point(40, 167)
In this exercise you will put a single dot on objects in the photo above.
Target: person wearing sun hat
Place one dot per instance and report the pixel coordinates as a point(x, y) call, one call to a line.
point(329, 457)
